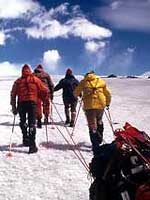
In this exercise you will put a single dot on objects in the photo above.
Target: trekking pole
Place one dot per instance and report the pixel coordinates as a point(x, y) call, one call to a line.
point(108, 116)
point(51, 109)
point(9, 154)
point(46, 133)
point(147, 162)
point(72, 134)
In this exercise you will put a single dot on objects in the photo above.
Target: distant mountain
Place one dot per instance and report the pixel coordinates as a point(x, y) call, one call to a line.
point(111, 76)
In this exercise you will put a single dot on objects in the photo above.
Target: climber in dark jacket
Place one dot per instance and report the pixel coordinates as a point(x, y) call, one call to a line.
point(47, 80)
point(68, 84)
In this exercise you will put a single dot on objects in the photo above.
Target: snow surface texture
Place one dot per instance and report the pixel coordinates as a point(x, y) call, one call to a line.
point(55, 172)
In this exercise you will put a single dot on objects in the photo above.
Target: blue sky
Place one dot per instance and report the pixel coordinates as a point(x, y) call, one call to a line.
point(108, 36)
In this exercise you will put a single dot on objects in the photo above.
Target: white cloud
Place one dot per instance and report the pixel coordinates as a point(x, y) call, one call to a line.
point(49, 29)
point(43, 24)
point(115, 4)
point(46, 25)
point(51, 59)
point(122, 62)
point(16, 8)
point(2, 38)
point(93, 47)
point(62, 9)
point(95, 60)
point(130, 15)
point(131, 50)
point(85, 29)
point(79, 27)
point(147, 74)
point(9, 69)
point(96, 53)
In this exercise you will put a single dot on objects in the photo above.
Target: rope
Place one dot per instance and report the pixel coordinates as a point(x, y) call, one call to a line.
point(58, 95)
point(72, 141)
point(83, 163)
point(60, 104)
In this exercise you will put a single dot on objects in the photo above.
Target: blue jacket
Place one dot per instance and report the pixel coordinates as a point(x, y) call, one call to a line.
point(67, 84)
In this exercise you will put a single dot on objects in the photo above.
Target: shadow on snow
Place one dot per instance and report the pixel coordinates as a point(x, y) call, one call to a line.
point(82, 146)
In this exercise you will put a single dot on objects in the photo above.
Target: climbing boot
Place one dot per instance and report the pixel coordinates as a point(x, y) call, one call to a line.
point(39, 123)
point(25, 135)
point(95, 141)
point(100, 129)
point(32, 148)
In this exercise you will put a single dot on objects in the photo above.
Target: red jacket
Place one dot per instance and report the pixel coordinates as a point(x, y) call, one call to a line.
point(28, 88)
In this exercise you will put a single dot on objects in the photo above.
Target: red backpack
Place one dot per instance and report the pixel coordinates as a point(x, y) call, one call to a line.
point(135, 139)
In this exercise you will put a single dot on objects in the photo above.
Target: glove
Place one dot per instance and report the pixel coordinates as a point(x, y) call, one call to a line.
point(107, 107)
point(14, 110)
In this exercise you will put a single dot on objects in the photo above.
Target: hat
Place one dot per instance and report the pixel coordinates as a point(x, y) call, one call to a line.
point(90, 72)
point(39, 66)
point(69, 71)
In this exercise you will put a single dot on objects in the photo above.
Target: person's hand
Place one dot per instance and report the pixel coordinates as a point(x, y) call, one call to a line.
point(14, 110)
point(107, 107)
point(52, 96)
point(80, 95)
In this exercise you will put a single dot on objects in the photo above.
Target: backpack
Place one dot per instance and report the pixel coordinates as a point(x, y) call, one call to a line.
point(102, 163)
point(137, 142)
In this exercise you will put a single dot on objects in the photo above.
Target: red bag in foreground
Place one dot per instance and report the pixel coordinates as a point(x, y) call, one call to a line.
point(143, 192)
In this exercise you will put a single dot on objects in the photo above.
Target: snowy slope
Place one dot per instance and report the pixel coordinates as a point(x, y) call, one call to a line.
point(55, 172)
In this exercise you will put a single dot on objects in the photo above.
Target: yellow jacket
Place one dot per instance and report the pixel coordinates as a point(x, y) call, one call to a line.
point(95, 93)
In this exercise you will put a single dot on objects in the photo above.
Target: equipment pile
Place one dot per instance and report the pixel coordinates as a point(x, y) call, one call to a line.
point(121, 169)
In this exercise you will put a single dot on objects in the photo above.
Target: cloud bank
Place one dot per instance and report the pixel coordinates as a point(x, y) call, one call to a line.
point(127, 15)
point(17, 8)
point(43, 24)
point(9, 69)
point(64, 21)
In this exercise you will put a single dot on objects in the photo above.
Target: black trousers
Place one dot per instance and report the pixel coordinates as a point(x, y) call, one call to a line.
point(72, 106)
point(27, 113)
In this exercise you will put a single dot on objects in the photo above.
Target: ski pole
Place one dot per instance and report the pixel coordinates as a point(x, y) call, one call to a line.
point(108, 116)
point(72, 134)
point(9, 154)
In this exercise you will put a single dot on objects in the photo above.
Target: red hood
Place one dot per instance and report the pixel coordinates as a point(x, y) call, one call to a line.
point(26, 71)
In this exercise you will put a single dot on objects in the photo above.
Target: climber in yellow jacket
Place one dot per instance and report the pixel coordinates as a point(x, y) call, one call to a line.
point(96, 96)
